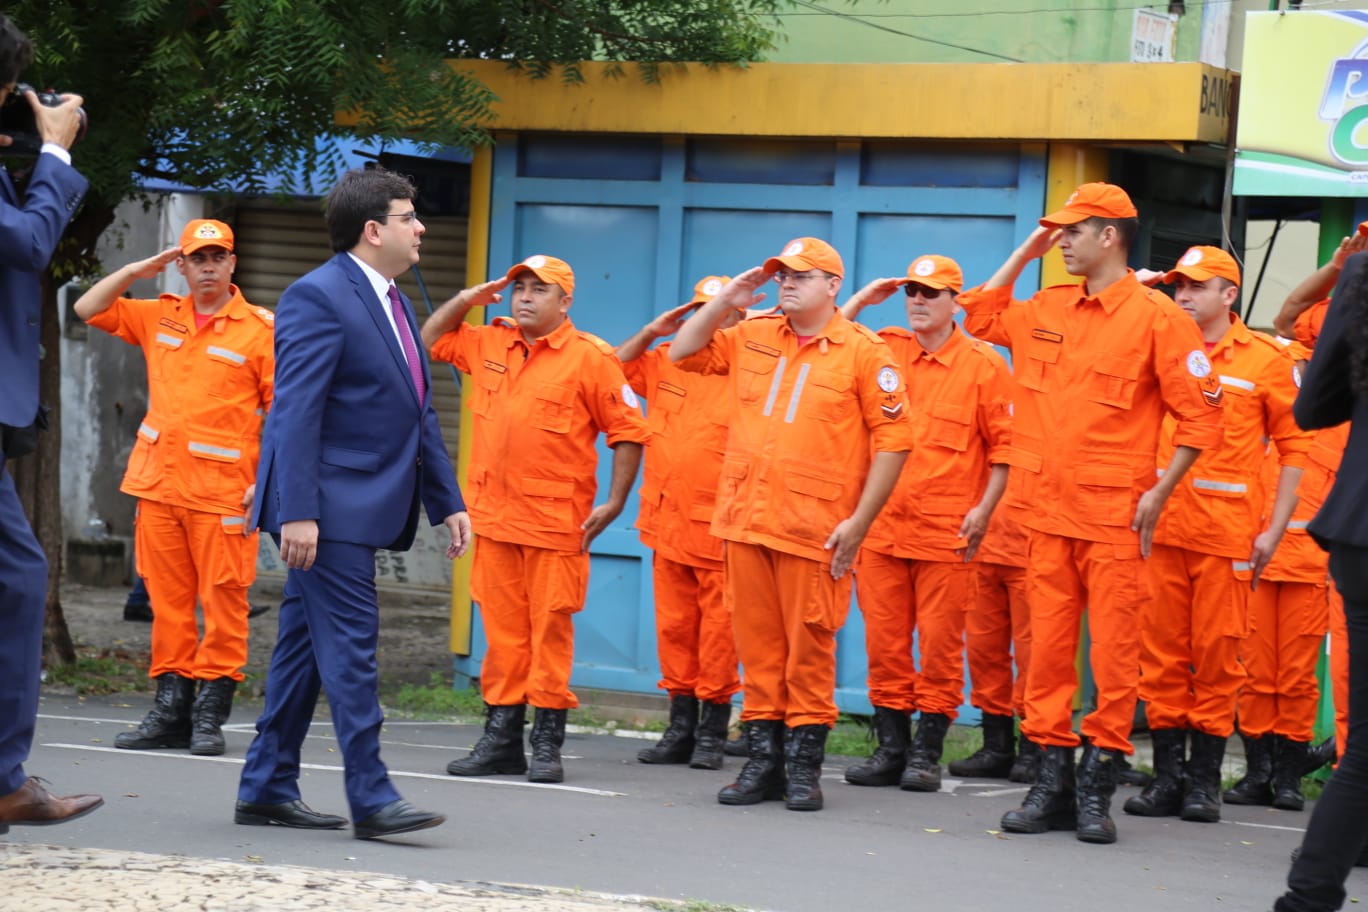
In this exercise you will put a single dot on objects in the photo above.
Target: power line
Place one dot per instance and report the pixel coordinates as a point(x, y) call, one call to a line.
point(884, 28)
point(818, 10)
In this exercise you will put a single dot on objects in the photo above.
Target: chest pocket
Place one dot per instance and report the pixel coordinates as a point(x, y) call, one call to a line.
point(1242, 404)
point(1113, 380)
point(830, 394)
point(488, 383)
point(228, 373)
point(1037, 363)
point(950, 425)
point(163, 350)
point(755, 375)
point(553, 409)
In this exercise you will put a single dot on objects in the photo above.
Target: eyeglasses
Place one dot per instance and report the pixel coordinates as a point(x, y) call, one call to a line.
point(912, 289)
point(782, 277)
point(408, 218)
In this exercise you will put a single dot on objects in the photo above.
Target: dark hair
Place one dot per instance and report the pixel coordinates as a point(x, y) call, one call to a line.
point(1355, 295)
point(16, 51)
point(1126, 228)
point(359, 197)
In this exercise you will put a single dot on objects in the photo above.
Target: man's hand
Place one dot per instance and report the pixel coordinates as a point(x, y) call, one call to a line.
point(1039, 242)
point(744, 290)
point(844, 544)
point(1147, 511)
point(1354, 243)
point(1265, 543)
point(1149, 277)
point(58, 125)
point(152, 267)
point(876, 292)
point(299, 543)
point(458, 524)
point(598, 520)
point(972, 530)
point(668, 323)
point(247, 497)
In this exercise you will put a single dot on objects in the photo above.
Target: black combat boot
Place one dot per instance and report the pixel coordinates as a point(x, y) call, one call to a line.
point(548, 734)
point(995, 759)
point(1129, 775)
point(500, 748)
point(1255, 787)
point(762, 778)
point(1320, 755)
point(168, 723)
point(1164, 796)
point(1027, 762)
point(1050, 804)
point(1096, 784)
point(806, 751)
point(923, 772)
point(710, 739)
point(1202, 797)
point(893, 728)
point(1288, 761)
point(677, 744)
point(207, 715)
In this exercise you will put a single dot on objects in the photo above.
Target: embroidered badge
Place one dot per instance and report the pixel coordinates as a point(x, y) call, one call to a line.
point(629, 397)
point(1198, 365)
point(888, 380)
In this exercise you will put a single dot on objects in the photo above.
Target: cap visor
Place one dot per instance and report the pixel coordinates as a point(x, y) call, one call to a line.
point(1063, 217)
point(774, 264)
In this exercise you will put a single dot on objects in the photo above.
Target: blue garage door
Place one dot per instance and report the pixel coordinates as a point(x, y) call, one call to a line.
point(641, 219)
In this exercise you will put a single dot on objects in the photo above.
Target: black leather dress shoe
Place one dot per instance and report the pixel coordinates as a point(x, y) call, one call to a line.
point(395, 818)
point(295, 814)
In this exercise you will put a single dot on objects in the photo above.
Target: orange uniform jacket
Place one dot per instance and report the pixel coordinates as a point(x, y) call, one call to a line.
point(959, 400)
point(687, 414)
point(538, 414)
point(1298, 558)
point(208, 393)
point(804, 425)
point(1218, 506)
point(1087, 418)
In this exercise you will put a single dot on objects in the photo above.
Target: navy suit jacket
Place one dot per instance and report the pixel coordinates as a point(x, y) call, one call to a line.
point(28, 236)
point(1326, 400)
point(347, 443)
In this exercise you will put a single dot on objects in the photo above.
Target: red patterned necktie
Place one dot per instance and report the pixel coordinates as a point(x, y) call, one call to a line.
point(415, 366)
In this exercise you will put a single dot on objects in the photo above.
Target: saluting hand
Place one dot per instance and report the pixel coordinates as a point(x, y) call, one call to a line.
point(458, 524)
point(1149, 277)
point(844, 544)
point(1039, 242)
point(876, 292)
point(668, 323)
point(151, 267)
point(299, 543)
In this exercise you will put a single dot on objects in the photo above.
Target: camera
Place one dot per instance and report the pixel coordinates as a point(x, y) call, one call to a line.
point(17, 120)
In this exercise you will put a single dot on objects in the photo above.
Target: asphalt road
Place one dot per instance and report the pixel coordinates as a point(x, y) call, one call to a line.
point(618, 826)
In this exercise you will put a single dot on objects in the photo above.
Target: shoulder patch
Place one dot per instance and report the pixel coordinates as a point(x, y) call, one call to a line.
point(264, 315)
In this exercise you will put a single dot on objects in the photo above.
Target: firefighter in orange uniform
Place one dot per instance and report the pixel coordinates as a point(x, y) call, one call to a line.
point(687, 414)
point(1097, 366)
point(913, 573)
point(1288, 619)
point(818, 434)
point(1212, 545)
point(543, 391)
point(210, 376)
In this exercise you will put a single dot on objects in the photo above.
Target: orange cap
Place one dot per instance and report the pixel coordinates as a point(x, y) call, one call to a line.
point(1363, 228)
point(804, 253)
point(707, 288)
point(1201, 263)
point(936, 272)
point(201, 233)
point(1094, 200)
point(548, 269)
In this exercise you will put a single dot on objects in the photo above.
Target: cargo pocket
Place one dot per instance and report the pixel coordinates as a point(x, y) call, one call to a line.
point(828, 600)
point(809, 516)
point(237, 568)
point(553, 408)
point(226, 370)
point(1104, 495)
point(548, 503)
point(217, 472)
point(1035, 366)
point(951, 426)
point(486, 388)
point(757, 379)
point(1114, 380)
point(831, 398)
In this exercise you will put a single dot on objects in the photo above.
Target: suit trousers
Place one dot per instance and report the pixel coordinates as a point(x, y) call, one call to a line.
point(1338, 829)
point(329, 625)
point(23, 593)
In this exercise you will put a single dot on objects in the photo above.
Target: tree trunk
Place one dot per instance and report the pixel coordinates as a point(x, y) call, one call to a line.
point(38, 477)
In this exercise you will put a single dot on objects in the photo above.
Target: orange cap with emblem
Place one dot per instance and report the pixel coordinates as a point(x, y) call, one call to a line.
point(707, 288)
point(935, 271)
point(804, 253)
point(548, 269)
point(1202, 263)
point(201, 233)
point(1093, 200)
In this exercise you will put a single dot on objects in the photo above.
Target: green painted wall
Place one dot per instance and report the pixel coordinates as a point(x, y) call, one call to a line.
point(970, 31)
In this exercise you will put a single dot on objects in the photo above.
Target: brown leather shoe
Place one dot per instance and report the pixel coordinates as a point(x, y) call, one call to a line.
point(33, 805)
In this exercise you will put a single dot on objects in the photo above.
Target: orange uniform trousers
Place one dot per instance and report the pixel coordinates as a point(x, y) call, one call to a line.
point(1339, 668)
point(528, 598)
point(694, 637)
point(786, 611)
point(1192, 637)
point(184, 555)
point(1065, 576)
point(1288, 622)
point(898, 596)
point(997, 630)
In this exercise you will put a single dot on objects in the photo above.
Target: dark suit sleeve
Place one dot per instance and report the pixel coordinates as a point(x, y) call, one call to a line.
point(29, 235)
point(1325, 398)
point(308, 347)
point(441, 493)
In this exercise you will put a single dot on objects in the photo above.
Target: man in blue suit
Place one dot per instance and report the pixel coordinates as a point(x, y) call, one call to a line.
point(29, 231)
point(350, 454)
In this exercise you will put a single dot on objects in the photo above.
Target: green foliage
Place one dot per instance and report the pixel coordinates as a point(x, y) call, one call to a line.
point(220, 94)
point(102, 671)
point(437, 700)
point(853, 736)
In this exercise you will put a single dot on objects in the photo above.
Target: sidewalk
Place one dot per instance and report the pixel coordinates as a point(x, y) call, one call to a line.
point(43, 878)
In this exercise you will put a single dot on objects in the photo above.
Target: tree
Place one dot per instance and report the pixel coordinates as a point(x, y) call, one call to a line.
point(221, 94)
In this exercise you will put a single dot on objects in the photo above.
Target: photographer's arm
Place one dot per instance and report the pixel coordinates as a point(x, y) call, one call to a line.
point(105, 292)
